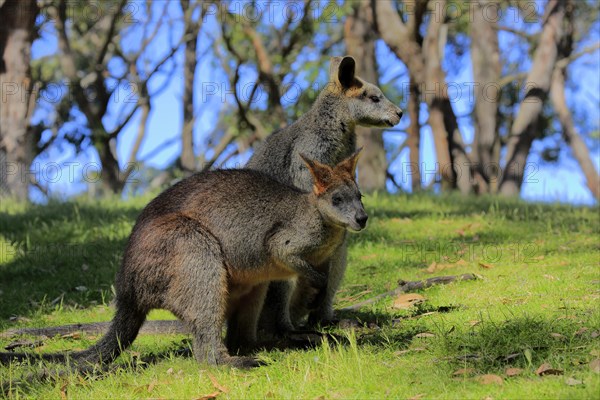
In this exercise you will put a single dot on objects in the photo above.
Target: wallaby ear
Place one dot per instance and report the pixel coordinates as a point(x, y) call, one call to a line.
point(346, 72)
point(322, 175)
point(342, 70)
point(349, 164)
point(334, 66)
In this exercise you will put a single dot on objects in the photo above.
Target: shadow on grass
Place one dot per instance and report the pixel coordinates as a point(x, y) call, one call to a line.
point(521, 341)
point(524, 341)
point(15, 225)
point(66, 274)
point(45, 262)
point(384, 330)
point(30, 375)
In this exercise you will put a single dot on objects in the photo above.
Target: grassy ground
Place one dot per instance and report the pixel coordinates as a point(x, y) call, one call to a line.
point(537, 302)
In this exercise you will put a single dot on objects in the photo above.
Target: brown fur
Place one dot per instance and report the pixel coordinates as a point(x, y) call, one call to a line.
point(206, 249)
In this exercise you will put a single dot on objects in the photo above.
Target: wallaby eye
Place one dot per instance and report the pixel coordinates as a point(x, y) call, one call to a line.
point(337, 200)
point(375, 99)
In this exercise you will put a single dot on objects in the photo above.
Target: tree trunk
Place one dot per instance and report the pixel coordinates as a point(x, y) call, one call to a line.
point(572, 137)
point(453, 163)
point(188, 160)
point(399, 38)
point(557, 96)
point(16, 142)
point(485, 58)
point(425, 67)
point(414, 135)
point(110, 174)
point(523, 130)
point(405, 41)
point(359, 36)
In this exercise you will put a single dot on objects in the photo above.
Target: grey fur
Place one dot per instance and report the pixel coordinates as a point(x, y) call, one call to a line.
point(206, 248)
point(326, 134)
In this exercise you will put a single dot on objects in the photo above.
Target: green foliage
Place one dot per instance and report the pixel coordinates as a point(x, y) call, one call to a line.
point(536, 302)
point(298, 50)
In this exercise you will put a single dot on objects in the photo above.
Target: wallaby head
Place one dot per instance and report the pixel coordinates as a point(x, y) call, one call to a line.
point(337, 195)
point(366, 102)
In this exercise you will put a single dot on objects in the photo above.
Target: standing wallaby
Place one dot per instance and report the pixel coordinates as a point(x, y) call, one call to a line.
point(326, 134)
point(206, 248)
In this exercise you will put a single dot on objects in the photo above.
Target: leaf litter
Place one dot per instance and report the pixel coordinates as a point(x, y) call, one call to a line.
point(406, 301)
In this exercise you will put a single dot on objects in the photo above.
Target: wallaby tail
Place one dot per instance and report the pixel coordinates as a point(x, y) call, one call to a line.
point(122, 332)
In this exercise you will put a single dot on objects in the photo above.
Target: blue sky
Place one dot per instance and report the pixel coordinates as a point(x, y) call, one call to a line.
point(562, 181)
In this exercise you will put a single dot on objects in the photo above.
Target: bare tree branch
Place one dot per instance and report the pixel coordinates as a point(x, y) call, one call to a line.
point(508, 79)
point(158, 149)
point(148, 39)
point(296, 33)
point(396, 35)
point(109, 36)
point(225, 141)
point(412, 285)
point(524, 128)
point(265, 71)
point(145, 106)
point(564, 62)
point(527, 36)
point(115, 132)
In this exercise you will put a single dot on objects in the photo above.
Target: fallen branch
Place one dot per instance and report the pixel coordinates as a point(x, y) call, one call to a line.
point(23, 343)
point(176, 327)
point(405, 286)
point(97, 328)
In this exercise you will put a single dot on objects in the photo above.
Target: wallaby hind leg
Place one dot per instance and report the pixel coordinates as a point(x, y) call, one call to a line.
point(198, 292)
point(242, 324)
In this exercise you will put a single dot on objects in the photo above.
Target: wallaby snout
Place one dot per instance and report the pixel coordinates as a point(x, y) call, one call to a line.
point(392, 115)
point(399, 113)
point(361, 218)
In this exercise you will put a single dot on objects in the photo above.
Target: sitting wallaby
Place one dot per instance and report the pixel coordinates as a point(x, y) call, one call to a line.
point(205, 248)
point(326, 134)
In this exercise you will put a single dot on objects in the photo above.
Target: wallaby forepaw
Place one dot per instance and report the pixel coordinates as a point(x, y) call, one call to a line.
point(305, 334)
point(305, 338)
point(322, 319)
point(333, 321)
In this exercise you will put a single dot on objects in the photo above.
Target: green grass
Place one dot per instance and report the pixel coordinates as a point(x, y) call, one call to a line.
point(537, 302)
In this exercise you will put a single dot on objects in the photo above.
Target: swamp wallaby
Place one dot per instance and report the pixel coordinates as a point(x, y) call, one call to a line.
point(206, 248)
point(326, 134)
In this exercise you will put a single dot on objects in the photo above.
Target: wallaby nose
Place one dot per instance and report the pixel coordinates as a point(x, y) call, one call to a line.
point(399, 112)
point(362, 220)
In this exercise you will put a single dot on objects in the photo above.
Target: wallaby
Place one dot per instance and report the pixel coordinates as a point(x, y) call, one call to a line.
point(326, 134)
point(206, 248)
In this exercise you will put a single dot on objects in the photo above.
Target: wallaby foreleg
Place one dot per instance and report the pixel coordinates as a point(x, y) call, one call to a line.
point(275, 316)
point(337, 266)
